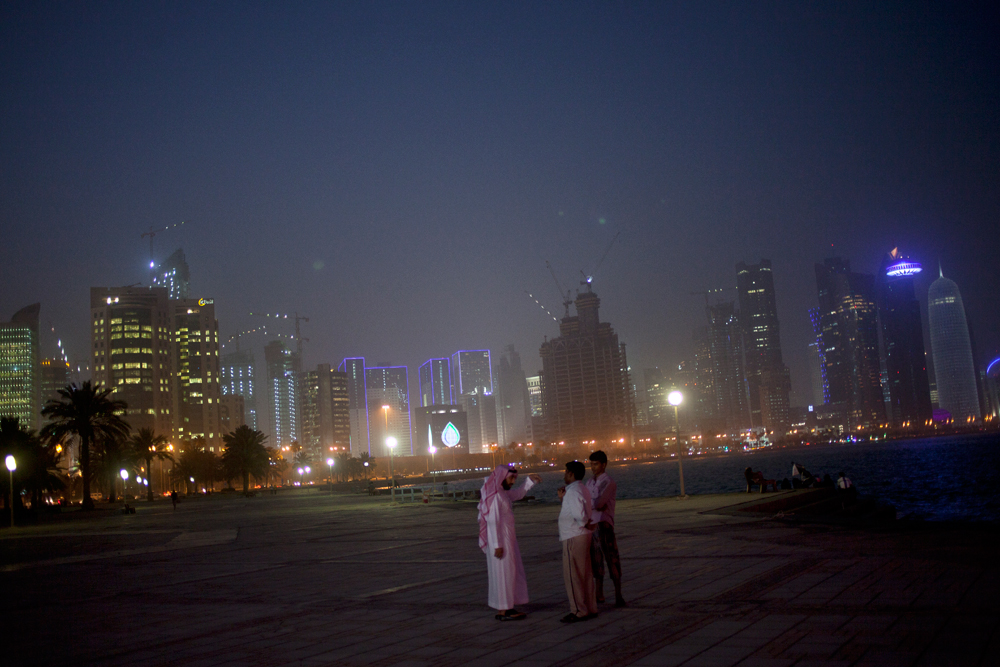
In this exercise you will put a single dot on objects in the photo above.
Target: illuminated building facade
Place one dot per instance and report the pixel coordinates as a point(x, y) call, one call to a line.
point(281, 393)
point(481, 412)
point(357, 404)
point(197, 391)
point(846, 324)
point(239, 379)
point(20, 383)
point(445, 427)
point(388, 386)
point(323, 404)
point(951, 347)
point(993, 389)
point(902, 337)
point(768, 383)
point(435, 382)
point(586, 388)
point(133, 353)
point(174, 275)
point(657, 408)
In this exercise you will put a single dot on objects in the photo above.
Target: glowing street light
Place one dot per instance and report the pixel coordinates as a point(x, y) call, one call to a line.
point(675, 398)
point(11, 467)
point(390, 443)
point(433, 450)
point(330, 463)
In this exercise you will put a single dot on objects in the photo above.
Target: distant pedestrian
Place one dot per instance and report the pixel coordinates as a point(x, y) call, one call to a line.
point(508, 584)
point(173, 499)
point(604, 545)
point(575, 528)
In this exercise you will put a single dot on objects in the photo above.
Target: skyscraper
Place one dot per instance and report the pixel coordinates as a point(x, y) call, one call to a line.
point(657, 389)
point(513, 403)
point(435, 382)
point(196, 378)
point(992, 383)
point(701, 402)
point(239, 379)
point(951, 347)
point(903, 341)
point(54, 375)
point(481, 415)
point(767, 376)
point(471, 372)
point(357, 397)
point(389, 386)
point(281, 393)
point(731, 407)
point(586, 388)
point(847, 327)
point(323, 404)
point(20, 384)
point(175, 275)
point(132, 338)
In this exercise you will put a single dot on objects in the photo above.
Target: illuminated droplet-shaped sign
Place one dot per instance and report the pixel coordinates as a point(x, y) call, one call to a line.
point(450, 435)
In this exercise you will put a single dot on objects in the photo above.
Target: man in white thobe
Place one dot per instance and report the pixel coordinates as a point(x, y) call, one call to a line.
point(508, 585)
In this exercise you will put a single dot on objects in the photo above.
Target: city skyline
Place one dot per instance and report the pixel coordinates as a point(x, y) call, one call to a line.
point(665, 125)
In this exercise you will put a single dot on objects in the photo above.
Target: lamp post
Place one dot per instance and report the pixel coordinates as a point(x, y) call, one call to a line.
point(390, 444)
point(124, 474)
point(432, 449)
point(300, 476)
point(11, 467)
point(675, 398)
point(330, 463)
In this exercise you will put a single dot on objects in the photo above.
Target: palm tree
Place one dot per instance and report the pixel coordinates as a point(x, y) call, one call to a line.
point(148, 446)
point(88, 413)
point(37, 463)
point(110, 457)
point(245, 455)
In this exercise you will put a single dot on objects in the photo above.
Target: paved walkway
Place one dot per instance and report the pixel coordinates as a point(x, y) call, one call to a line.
point(306, 579)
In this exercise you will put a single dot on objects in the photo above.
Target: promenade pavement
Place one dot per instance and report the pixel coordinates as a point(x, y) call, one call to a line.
point(308, 579)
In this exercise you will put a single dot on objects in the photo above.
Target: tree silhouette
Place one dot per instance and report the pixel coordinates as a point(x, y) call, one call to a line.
point(245, 455)
point(88, 413)
point(112, 455)
point(197, 464)
point(37, 463)
point(148, 446)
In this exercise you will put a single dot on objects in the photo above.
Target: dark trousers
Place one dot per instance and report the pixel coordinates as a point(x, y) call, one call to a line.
point(604, 547)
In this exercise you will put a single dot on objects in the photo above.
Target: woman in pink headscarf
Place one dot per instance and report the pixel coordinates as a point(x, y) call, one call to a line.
point(508, 586)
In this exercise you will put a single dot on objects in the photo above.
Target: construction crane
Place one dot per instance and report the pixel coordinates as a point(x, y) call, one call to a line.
point(298, 332)
point(151, 233)
point(564, 294)
point(588, 278)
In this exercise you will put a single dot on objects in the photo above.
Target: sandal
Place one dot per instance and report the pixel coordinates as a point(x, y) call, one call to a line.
point(511, 615)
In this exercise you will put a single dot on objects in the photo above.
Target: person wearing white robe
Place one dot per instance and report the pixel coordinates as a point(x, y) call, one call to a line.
point(508, 585)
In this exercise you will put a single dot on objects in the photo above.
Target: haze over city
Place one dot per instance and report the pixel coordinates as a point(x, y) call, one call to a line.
point(401, 173)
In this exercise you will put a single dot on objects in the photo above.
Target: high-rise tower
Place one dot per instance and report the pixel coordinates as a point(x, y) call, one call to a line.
point(132, 338)
point(846, 324)
point(281, 392)
point(951, 347)
point(357, 404)
point(513, 403)
point(586, 388)
point(175, 275)
point(725, 341)
point(903, 341)
point(239, 379)
point(196, 377)
point(20, 384)
point(323, 404)
point(767, 376)
point(435, 382)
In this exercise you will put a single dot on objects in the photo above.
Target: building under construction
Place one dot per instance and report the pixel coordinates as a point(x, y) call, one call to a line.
point(586, 389)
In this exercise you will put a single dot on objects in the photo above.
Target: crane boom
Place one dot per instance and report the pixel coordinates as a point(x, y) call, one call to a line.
point(589, 277)
point(565, 297)
point(151, 233)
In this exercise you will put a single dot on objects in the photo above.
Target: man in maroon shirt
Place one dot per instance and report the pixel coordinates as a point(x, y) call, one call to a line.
point(604, 546)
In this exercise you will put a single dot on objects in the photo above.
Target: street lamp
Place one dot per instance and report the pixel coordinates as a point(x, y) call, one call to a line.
point(433, 450)
point(330, 462)
point(675, 398)
point(124, 474)
point(11, 467)
point(390, 444)
point(300, 476)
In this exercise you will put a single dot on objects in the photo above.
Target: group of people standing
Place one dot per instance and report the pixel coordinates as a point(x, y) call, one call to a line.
point(586, 530)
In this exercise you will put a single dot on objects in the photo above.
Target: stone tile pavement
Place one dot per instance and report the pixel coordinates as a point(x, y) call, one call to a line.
point(309, 579)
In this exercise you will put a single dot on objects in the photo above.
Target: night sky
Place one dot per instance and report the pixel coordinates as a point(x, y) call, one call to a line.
point(400, 172)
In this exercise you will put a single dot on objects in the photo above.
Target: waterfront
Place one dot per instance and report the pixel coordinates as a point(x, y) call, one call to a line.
point(944, 478)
